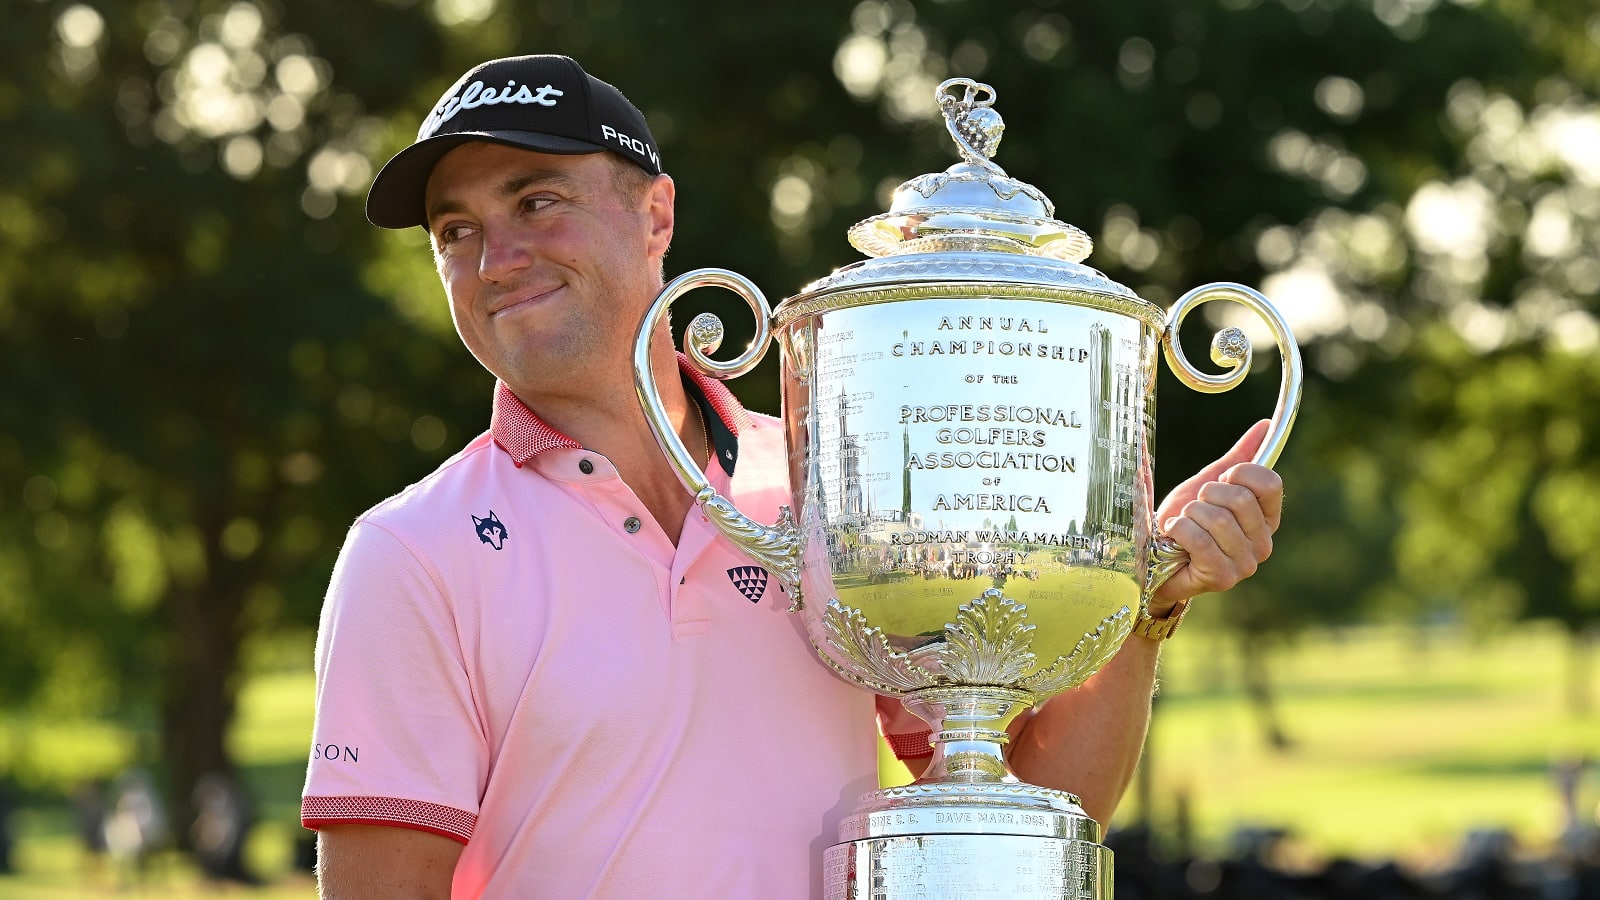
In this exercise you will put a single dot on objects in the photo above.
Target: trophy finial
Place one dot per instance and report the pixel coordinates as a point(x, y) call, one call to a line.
point(973, 205)
point(973, 123)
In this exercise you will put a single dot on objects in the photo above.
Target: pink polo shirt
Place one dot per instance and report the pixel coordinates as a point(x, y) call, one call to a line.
point(514, 655)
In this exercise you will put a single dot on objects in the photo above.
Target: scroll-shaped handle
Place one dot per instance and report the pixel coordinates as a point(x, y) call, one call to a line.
point(777, 547)
point(1231, 350)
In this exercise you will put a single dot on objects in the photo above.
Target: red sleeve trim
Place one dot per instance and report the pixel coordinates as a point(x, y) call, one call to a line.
point(915, 745)
point(447, 821)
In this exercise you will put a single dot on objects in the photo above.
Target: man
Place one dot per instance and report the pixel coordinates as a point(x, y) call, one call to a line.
point(535, 677)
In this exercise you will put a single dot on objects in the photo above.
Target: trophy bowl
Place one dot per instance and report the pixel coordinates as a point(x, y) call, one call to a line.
point(969, 416)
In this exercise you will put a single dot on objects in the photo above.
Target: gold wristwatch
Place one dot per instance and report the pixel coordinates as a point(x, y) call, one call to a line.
point(1161, 629)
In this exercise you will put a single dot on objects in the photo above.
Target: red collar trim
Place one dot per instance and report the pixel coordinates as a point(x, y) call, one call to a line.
point(521, 433)
point(723, 402)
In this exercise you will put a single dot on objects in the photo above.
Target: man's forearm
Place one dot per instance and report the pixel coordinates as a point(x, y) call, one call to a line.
point(1088, 740)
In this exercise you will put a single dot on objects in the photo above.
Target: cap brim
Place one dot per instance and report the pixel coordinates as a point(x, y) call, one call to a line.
point(396, 197)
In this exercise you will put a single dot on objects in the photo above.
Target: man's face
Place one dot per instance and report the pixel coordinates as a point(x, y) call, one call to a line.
point(548, 261)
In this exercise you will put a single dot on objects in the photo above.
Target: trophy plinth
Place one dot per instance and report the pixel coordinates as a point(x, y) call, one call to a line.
point(968, 826)
point(969, 416)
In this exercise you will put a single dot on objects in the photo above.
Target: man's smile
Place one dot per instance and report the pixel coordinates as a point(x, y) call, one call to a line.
point(522, 299)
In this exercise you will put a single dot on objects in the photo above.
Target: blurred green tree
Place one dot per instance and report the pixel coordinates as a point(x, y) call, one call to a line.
point(203, 390)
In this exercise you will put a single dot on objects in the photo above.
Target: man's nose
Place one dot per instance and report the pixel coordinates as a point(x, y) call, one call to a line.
point(504, 254)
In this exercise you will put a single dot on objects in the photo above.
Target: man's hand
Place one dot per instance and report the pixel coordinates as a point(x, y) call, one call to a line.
point(1224, 516)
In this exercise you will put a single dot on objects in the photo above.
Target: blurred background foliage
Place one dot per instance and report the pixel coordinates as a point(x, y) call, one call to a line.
point(215, 364)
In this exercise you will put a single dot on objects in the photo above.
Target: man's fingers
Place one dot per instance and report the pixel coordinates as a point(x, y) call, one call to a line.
point(1265, 484)
point(1237, 526)
point(1198, 576)
point(1242, 452)
point(1224, 517)
point(1247, 511)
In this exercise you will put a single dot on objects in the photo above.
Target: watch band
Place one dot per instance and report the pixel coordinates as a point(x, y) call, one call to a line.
point(1161, 629)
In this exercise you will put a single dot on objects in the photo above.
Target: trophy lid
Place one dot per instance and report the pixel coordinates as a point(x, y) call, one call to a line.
point(970, 223)
point(974, 204)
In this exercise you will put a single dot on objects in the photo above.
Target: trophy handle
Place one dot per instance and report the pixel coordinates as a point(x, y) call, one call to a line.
point(1231, 350)
point(777, 547)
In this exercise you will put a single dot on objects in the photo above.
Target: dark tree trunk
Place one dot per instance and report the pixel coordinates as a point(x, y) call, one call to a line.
point(198, 699)
point(1258, 690)
point(1580, 669)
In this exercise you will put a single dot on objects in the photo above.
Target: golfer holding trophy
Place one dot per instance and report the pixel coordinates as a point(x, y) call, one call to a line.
point(969, 417)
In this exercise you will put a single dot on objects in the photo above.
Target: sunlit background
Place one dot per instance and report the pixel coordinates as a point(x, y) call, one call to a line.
point(216, 364)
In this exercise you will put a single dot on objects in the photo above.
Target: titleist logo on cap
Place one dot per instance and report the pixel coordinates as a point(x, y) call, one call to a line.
point(501, 102)
point(478, 94)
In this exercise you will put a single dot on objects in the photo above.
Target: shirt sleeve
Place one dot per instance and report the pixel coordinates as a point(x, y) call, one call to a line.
point(397, 739)
point(908, 735)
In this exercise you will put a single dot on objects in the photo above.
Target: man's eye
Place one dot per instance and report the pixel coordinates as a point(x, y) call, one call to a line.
point(449, 235)
point(534, 204)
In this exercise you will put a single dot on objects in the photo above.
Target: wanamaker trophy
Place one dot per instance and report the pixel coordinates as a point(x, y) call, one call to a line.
point(969, 416)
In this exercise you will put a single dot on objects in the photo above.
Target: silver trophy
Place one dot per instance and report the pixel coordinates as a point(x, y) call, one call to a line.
point(969, 419)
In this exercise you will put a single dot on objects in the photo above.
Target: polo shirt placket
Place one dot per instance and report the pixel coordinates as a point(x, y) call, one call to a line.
point(616, 504)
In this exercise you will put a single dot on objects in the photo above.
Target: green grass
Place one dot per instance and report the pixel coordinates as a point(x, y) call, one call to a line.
point(1402, 741)
point(269, 743)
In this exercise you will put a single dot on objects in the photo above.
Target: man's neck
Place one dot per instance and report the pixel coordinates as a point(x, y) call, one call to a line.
point(609, 421)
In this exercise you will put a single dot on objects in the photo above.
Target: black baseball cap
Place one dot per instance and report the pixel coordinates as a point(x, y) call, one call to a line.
point(545, 103)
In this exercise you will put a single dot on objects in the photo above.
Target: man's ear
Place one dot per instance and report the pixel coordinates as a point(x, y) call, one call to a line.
point(659, 206)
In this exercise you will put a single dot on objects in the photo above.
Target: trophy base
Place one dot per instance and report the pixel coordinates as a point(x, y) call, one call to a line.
point(929, 866)
point(942, 841)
